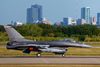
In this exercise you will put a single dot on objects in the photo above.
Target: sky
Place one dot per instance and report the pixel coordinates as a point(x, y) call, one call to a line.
point(54, 10)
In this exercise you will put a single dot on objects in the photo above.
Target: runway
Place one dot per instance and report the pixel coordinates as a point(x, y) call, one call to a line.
point(50, 60)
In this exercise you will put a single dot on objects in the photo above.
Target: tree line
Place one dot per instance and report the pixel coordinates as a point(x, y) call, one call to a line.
point(45, 30)
point(56, 31)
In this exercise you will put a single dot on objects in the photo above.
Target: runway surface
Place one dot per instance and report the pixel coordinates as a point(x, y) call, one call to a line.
point(50, 60)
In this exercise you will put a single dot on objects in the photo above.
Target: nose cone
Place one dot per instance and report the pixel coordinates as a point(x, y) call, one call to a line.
point(85, 46)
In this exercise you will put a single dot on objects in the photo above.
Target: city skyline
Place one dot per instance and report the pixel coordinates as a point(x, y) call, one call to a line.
point(53, 10)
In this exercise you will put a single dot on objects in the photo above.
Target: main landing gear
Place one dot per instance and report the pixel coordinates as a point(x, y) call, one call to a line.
point(38, 54)
point(63, 55)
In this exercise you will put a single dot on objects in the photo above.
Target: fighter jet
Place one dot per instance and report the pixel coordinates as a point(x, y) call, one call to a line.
point(18, 42)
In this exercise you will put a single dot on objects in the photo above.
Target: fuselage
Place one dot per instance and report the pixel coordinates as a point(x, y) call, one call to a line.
point(61, 44)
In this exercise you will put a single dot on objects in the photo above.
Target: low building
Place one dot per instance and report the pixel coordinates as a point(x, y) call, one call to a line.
point(46, 21)
point(69, 21)
point(81, 21)
point(18, 23)
point(58, 24)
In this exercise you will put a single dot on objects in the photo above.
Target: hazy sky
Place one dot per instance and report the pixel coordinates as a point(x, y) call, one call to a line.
point(54, 10)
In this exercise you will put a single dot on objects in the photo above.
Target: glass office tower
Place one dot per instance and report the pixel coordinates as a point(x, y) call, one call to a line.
point(85, 14)
point(34, 14)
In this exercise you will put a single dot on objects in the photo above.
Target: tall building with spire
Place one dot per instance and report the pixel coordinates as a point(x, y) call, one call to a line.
point(34, 14)
point(85, 14)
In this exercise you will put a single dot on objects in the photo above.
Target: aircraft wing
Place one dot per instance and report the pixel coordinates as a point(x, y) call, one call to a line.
point(44, 48)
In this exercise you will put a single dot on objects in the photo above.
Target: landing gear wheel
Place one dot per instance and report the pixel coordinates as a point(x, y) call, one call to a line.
point(38, 54)
point(63, 55)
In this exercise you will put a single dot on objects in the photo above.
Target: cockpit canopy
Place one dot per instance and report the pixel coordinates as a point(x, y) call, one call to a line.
point(69, 40)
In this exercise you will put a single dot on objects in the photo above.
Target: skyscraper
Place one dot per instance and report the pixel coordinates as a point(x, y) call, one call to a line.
point(34, 14)
point(98, 18)
point(85, 14)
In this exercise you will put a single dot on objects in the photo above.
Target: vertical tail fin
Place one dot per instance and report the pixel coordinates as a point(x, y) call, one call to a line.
point(13, 34)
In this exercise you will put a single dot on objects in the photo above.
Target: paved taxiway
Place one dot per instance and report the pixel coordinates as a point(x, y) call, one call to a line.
point(50, 60)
